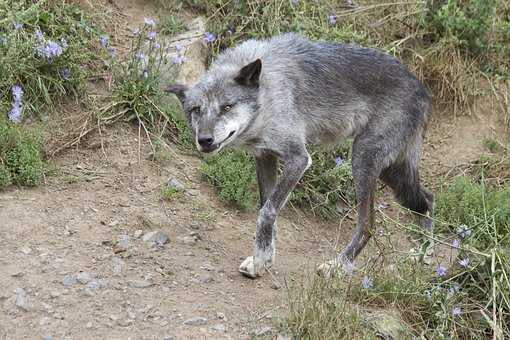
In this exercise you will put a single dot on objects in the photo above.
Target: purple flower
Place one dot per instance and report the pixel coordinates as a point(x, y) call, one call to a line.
point(49, 50)
point(441, 271)
point(15, 113)
point(339, 161)
point(103, 40)
point(65, 73)
point(332, 19)
point(112, 51)
point(17, 93)
point(136, 31)
point(179, 47)
point(463, 231)
point(209, 37)
point(178, 59)
point(464, 262)
point(149, 22)
point(151, 35)
point(367, 283)
point(456, 243)
point(456, 311)
point(17, 25)
point(157, 45)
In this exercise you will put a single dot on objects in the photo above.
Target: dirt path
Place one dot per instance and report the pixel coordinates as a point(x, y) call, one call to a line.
point(74, 265)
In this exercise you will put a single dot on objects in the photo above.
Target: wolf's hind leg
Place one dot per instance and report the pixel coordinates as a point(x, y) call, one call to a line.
point(273, 198)
point(365, 173)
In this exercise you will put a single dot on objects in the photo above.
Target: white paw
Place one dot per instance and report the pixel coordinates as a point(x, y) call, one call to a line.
point(335, 267)
point(253, 267)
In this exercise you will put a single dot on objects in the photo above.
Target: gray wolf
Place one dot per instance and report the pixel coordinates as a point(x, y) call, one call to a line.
point(275, 97)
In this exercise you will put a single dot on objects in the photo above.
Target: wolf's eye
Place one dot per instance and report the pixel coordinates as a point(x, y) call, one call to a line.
point(227, 108)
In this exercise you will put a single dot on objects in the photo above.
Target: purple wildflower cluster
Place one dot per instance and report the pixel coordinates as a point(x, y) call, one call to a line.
point(209, 37)
point(456, 311)
point(441, 271)
point(17, 105)
point(339, 161)
point(149, 22)
point(179, 59)
point(49, 49)
point(332, 19)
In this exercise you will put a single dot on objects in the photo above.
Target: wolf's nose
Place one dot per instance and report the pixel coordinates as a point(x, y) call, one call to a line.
point(205, 141)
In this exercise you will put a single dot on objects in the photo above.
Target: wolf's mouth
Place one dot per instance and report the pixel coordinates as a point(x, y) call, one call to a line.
point(216, 147)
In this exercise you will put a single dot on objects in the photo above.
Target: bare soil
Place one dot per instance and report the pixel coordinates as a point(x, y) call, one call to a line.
point(103, 193)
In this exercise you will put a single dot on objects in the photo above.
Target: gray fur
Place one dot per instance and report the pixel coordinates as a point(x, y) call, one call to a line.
point(314, 93)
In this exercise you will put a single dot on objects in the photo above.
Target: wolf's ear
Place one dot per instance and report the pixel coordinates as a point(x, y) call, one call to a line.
point(250, 74)
point(179, 90)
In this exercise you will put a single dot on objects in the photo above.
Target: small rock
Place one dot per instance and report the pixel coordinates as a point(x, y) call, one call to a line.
point(220, 327)
point(275, 286)
point(118, 265)
point(113, 223)
point(83, 277)
point(221, 315)
point(175, 184)
point(208, 267)
point(140, 283)
point(194, 225)
point(196, 321)
point(69, 280)
point(55, 294)
point(21, 299)
point(263, 331)
point(205, 278)
point(387, 324)
point(123, 242)
point(187, 240)
point(89, 325)
point(138, 233)
point(157, 237)
point(25, 250)
point(96, 284)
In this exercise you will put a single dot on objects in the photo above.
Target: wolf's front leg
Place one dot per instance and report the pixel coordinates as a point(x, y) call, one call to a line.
point(295, 165)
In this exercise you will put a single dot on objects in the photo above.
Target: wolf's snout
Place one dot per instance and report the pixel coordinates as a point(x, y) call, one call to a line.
point(206, 143)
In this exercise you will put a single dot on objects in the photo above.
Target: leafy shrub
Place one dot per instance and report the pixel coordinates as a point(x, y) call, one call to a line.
point(21, 158)
point(233, 174)
point(47, 48)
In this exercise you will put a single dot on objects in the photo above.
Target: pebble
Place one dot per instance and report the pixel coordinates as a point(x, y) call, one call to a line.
point(263, 331)
point(187, 240)
point(205, 278)
point(96, 284)
point(124, 242)
point(55, 294)
point(175, 184)
point(196, 321)
point(69, 280)
point(25, 250)
point(208, 267)
point(21, 299)
point(194, 225)
point(89, 325)
point(118, 265)
point(221, 315)
point(138, 233)
point(220, 328)
point(83, 277)
point(140, 283)
point(156, 237)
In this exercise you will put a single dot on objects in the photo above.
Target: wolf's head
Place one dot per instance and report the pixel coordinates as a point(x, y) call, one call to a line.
point(221, 105)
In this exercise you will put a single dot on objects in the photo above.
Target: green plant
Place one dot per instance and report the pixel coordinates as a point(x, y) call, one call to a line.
point(46, 48)
point(170, 193)
point(233, 174)
point(21, 157)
